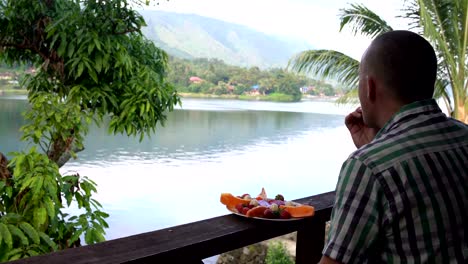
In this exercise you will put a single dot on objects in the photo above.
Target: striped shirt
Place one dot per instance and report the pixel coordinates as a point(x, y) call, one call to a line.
point(403, 198)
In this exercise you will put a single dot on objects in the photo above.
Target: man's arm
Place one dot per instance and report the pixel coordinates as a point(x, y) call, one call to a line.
point(355, 216)
point(327, 260)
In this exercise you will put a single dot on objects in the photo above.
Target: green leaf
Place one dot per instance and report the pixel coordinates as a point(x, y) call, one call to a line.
point(98, 236)
point(37, 186)
point(93, 75)
point(98, 44)
point(89, 236)
point(9, 191)
point(30, 231)
point(40, 216)
point(63, 45)
point(80, 70)
point(15, 257)
point(51, 187)
point(50, 207)
point(75, 236)
point(32, 252)
point(15, 252)
point(27, 184)
point(15, 231)
point(364, 21)
point(47, 240)
point(5, 236)
point(71, 49)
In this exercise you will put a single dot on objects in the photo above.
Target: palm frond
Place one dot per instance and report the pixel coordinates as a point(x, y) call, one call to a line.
point(412, 13)
point(350, 97)
point(433, 20)
point(441, 91)
point(363, 21)
point(327, 64)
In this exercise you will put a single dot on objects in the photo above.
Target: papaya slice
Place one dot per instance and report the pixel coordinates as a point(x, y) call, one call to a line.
point(231, 201)
point(256, 211)
point(300, 210)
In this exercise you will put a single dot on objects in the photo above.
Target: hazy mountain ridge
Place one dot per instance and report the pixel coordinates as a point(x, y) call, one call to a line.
point(193, 36)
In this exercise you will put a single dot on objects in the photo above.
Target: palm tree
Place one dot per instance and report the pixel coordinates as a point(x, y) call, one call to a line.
point(443, 22)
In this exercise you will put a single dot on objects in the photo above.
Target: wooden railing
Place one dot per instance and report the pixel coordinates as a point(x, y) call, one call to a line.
point(190, 243)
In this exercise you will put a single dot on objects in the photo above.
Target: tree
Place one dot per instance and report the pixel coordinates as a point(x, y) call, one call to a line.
point(93, 62)
point(443, 23)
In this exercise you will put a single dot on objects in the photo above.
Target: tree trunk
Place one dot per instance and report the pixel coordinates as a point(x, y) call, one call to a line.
point(461, 112)
point(4, 172)
point(61, 150)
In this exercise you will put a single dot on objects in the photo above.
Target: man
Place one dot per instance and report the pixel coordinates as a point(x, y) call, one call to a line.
point(402, 197)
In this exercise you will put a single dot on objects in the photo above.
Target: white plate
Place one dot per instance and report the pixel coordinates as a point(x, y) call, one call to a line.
point(263, 218)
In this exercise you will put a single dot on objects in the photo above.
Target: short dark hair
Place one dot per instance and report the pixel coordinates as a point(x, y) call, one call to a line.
point(406, 63)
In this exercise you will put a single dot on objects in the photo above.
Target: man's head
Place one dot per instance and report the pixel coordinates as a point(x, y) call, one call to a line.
point(399, 67)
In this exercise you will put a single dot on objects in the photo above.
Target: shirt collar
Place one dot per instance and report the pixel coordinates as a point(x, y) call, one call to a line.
point(408, 111)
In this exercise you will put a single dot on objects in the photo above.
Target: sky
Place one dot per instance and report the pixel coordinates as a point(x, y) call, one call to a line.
point(315, 21)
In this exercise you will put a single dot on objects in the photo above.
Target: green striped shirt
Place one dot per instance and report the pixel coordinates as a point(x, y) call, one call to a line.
point(403, 198)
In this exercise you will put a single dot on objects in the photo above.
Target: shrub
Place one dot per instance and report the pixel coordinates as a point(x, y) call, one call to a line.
point(277, 254)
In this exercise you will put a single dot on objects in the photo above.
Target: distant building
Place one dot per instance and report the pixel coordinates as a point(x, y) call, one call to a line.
point(195, 79)
point(306, 89)
point(254, 90)
point(6, 76)
point(31, 70)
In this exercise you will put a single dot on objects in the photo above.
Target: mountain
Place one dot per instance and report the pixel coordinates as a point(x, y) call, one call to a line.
point(192, 36)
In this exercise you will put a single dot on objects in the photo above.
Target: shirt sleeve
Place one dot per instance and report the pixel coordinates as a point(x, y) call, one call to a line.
point(356, 214)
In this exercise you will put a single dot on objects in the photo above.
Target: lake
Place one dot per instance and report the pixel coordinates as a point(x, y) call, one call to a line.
point(207, 147)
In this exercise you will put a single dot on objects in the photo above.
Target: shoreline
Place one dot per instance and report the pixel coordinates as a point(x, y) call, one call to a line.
point(6, 92)
point(255, 97)
point(13, 92)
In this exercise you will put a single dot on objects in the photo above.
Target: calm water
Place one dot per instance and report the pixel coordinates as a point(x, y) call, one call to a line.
point(207, 147)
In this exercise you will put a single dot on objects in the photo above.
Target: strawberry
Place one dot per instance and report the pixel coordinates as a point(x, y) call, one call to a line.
point(268, 213)
point(245, 210)
point(239, 207)
point(285, 214)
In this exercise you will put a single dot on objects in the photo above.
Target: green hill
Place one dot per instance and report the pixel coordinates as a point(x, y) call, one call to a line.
point(192, 36)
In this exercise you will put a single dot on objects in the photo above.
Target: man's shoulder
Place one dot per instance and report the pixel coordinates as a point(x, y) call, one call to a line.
point(459, 124)
point(411, 140)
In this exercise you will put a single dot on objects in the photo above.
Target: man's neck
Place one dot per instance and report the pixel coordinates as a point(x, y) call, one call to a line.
point(388, 110)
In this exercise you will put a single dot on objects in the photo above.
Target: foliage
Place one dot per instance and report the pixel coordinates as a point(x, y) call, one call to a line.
point(220, 78)
point(92, 62)
point(277, 254)
point(443, 23)
point(363, 21)
point(32, 221)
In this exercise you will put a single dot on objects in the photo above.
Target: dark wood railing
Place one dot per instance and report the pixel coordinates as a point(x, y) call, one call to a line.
point(190, 243)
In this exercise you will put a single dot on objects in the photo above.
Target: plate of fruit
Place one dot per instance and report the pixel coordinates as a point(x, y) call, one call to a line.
point(262, 207)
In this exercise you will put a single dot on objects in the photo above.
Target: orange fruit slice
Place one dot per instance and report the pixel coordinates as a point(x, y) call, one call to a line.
point(256, 211)
point(231, 201)
point(299, 210)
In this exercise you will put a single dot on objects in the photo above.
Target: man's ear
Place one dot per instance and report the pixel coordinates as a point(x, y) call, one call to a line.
point(371, 89)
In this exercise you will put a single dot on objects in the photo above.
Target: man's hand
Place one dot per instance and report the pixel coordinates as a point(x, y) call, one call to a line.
point(327, 260)
point(360, 132)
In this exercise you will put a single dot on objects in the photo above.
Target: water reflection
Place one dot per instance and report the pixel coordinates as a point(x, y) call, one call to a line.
point(203, 135)
point(207, 147)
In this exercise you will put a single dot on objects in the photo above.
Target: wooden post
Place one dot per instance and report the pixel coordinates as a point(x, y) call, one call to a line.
point(311, 239)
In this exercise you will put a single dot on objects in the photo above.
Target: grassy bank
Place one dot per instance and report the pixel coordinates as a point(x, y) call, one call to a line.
point(202, 95)
point(13, 92)
point(274, 97)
